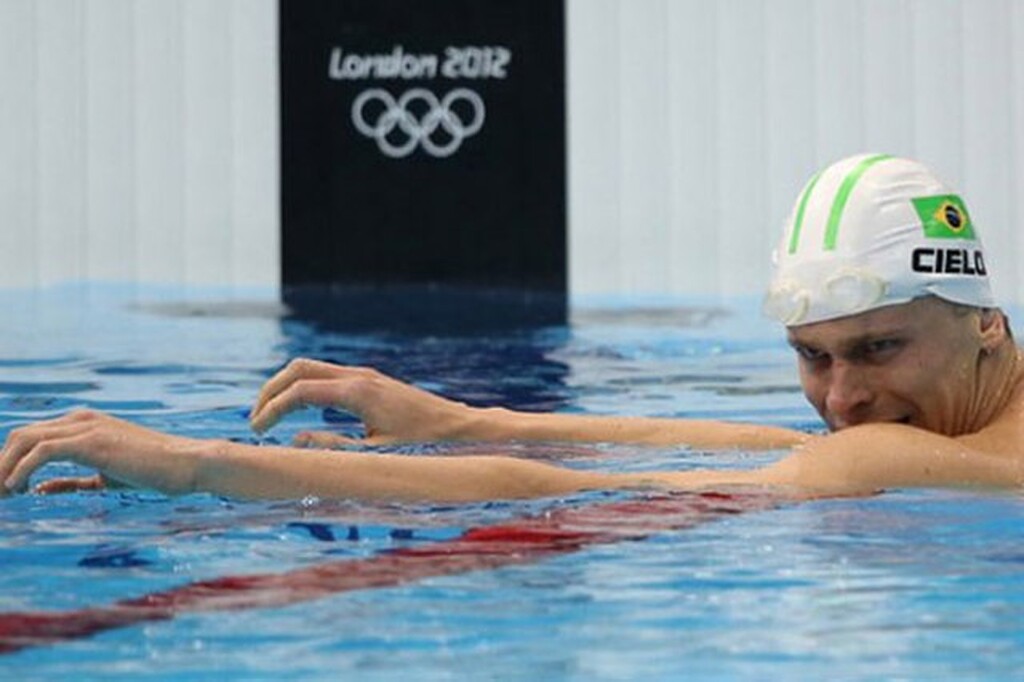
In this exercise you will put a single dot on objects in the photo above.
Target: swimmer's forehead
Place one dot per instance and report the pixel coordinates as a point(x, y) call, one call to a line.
point(852, 330)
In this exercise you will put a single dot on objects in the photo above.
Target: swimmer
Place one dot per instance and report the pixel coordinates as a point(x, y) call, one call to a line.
point(880, 281)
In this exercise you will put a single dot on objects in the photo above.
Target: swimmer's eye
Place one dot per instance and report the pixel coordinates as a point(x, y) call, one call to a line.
point(881, 347)
point(808, 354)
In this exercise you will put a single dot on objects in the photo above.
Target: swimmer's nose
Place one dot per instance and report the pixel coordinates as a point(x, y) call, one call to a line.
point(849, 396)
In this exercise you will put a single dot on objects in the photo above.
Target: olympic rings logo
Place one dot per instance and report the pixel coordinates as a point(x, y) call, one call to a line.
point(419, 118)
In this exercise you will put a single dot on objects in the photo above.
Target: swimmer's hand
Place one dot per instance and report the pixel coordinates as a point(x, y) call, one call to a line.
point(122, 453)
point(391, 411)
point(394, 412)
point(71, 484)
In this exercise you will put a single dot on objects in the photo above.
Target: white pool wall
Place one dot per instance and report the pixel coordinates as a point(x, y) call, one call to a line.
point(139, 142)
point(694, 124)
point(139, 138)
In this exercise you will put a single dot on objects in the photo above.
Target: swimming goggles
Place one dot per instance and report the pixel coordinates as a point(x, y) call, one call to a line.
point(846, 292)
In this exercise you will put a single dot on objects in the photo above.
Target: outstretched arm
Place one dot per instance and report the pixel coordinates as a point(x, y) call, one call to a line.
point(856, 461)
point(130, 454)
point(394, 412)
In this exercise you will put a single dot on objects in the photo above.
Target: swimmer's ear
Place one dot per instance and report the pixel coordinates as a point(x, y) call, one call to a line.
point(995, 329)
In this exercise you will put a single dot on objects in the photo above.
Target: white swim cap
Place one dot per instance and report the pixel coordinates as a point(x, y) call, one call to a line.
point(872, 231)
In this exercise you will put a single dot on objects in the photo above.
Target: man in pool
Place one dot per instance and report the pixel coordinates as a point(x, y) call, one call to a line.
point(880, 280)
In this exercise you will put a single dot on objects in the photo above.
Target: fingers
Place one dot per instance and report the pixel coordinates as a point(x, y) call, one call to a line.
point(299, 394)
point(41, 453)
point(116, 448)
point(325, 440)
point(21, 442)
point(69, 485)
point(300, 368)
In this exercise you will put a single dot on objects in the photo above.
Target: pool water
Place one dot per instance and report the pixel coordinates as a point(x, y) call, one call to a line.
point(906, 585)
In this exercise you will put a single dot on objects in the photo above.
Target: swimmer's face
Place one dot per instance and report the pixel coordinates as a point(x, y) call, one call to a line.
point(915, 363)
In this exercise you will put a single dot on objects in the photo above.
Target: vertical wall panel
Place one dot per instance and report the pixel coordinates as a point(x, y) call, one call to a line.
point(110, 104)
point(18, 131)
point(889, 77)
point(159, 81)
point(255, 196)
point(645, 162)
point(938, 71)
point(1013, 220)
point(61, 180)
point(742, 181)
point(791, 120)
point(838, 60)
point(209, 141)
point(693, 79)
point(594, 139)
point(987, 175)
point(138, 142)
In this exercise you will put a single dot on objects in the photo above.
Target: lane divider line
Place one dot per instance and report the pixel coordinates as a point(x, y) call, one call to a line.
point(507, 544)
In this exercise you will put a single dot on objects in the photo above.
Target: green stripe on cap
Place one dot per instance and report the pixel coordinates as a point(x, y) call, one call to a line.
point(839, 205)
point(798, 224)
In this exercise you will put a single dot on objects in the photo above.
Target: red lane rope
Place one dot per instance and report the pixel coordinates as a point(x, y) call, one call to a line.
point(532, 539)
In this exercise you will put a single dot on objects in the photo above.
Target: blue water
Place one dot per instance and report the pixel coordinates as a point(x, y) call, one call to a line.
point(905, 585)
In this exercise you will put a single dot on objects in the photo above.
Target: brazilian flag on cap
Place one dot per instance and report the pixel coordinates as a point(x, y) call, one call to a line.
point(944, 217)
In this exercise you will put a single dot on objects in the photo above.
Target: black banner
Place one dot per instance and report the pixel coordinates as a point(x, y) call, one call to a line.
point(423, 142)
